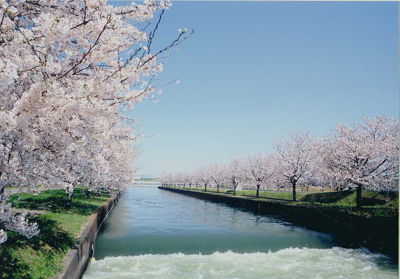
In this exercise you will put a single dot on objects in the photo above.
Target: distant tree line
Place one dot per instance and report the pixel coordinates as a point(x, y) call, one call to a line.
point(362, 156)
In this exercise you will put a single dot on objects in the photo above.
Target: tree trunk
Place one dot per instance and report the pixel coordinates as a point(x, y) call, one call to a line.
point(217, 188)
point(359, 195)
point(258, 191)
point(294, 188)
point(69, 199)
point(234, 190)
point(205, 187)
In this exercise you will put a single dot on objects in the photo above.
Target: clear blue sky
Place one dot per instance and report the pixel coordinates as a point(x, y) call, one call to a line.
point(254, 69)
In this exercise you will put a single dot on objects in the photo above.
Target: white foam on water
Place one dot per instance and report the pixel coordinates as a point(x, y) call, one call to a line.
point(287, 263)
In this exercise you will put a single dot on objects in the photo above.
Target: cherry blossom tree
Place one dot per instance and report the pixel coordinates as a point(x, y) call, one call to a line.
point(294, 157)
point(186, 179)
point(364, 155)
point(15, 222)
point(204, 176)
point(167, 178)
point(196, 179)
point(235, 172)
point(259, 168)
point(176, 179)
point(69, 71)
point(182, 179)
point(218, 174)
point(190, 179)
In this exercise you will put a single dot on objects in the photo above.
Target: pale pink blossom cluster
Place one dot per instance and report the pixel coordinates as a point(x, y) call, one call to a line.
point(69, 70)
point(3, 236)
point(18, 223)
point(362, 156)
point(365, 155)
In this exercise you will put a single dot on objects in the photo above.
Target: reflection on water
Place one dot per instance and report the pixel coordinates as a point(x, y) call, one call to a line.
point(148, 220)
point(153, 233)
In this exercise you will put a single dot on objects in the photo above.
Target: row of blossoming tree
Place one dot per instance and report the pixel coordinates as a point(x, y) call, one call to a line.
point(363, 156)
point(69, 71)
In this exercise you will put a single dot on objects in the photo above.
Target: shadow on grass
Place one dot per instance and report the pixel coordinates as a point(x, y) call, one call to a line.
point(20, 257)
point(55, 201)
point(14, 254)
point(10, 264)
point(330, 197)
point(51, 236)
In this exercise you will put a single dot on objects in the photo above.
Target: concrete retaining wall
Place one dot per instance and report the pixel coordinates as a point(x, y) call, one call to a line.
point(349, 230)
point(77, 259)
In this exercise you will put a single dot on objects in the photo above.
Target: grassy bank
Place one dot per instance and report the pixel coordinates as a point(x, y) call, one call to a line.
point(42, 255)
point(375, 204)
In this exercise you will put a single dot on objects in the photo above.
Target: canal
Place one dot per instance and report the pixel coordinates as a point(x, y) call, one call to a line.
point(153, 233)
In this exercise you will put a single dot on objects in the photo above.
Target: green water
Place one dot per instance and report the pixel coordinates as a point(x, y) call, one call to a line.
point(159, 234)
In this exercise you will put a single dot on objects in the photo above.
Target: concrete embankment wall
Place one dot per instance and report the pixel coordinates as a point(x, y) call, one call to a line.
point(349, 230)
point(77, 259)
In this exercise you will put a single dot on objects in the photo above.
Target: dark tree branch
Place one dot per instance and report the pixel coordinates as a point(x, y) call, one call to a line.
point(89, 51)
point(151, 35)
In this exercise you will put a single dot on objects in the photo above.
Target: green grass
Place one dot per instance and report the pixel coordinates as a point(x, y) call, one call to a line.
point(375, 204)
point(42, 255)
point(201, 189)
point(252, 193)
point(270, 194)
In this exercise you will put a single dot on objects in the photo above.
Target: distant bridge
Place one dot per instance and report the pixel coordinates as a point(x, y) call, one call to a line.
point(146, 183)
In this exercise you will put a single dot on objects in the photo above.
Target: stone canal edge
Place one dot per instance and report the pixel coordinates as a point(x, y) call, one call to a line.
point(77, 259)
